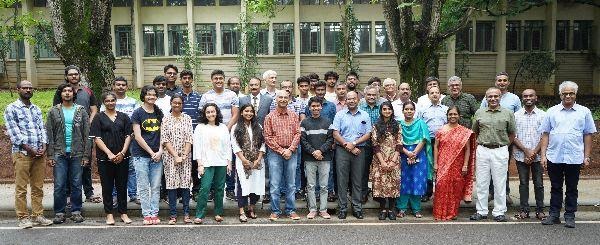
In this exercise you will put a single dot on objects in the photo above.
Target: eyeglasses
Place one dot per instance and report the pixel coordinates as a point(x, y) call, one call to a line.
point(73, 74)
point(502, 80)
point(171, 73)
point(568, 94)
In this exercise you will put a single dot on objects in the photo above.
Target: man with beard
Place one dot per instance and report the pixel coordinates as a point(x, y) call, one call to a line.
point(305, 85)
point(352, 84)
point(404, 97)
point(314, 78)
point(27, 134)
point(234, 84)
point(331, 78)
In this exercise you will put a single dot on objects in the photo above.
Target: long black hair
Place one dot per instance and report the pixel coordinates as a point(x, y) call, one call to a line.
point(159, 113)
point(240, 130)
point(202, 119)
point(384, 127)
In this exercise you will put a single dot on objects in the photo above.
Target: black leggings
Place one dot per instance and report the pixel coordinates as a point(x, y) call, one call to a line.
point(243, 200)
point(114, 175)
point(391, 202)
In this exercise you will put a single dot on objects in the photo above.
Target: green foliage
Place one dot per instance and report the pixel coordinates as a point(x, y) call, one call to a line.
point(266, 7)
point(191, 58)
point(247, 49)
point(536, 66)
point(347, 40)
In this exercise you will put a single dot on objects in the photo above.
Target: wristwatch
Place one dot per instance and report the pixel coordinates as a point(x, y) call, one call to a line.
point(354, 143)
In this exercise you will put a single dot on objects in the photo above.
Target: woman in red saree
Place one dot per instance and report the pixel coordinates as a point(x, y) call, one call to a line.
point(454, 161)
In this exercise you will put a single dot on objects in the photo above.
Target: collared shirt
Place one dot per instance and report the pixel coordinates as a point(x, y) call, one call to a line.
point(240, 94)
point(272, 94)
point(527, 131)
point(389, 98)
point(303, 100)
point(328, 110)
point(295, 105)
point(467, 105)
point(339, 105)
point(282, 130)
point(398, 112)
point(566, 128)
point(434, 116)
point(255, 101)
point(126, 105)
point(191, 106)
point(25, 125)
point(493, 126)
point(352, 126)
point(373, 111)
point(226, 101)
point(424, 101)
point(164, 104)
point(508, 100)
point(171, 91)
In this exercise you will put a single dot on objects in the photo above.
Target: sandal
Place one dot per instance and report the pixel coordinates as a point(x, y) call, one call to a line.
point(147, 220)
point(94, 199)
point(172, 220)
point(155, 220)
point(243, 218)
point(418, 215)
point(540, 215)
point(187, 220)
point(522, 215)
point(198, 221)
point(218, 218)
point(401, 214)
point(251, 214)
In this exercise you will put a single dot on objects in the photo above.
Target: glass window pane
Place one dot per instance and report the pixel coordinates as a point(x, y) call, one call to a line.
point(562, 34)
point(382, 43)
point(310, 2)
point(534, 35)
point(310, 38)
point(229, 38)
point(513, 35)
point(122, 3)
point(260, 42)
point(151, 3)
point(123, 40)
point(153, 40)
point(283, 38)
point(177, 38)
point(285, 2)
point(464, 38)
point(332, 33)
point(582, 34)
point(42, 3)
point(206, 38)
point(362, 44)
point(204, 2)
point(229, 2)
point(176, 2)
point(484, 36)
point(17, 46)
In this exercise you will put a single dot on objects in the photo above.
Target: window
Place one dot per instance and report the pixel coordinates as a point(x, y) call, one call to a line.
point(534, 35)
point(154, 40)
point(40, 3)
point(562, 34)
point(122, 3)
point(152, 3)
point(310, 2)
point(17, 46)
point(261, 41)
point(582, 34)
point(177, 39)
point(362, 44)
point(285, 2)
point(513, 35)
point(310, 38)
point(484, 38)
point(176, 2)
point(382, 43)
point(332, 33)
point(123, 41)
point(204, 2)
point(42, 48)
point(206, 38)
point(230, 37)
point(283, 38)
point(464, 38)
point(229, 2)
point(332, 2)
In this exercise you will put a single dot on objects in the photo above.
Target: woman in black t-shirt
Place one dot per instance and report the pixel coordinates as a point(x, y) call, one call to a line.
point(111, 131)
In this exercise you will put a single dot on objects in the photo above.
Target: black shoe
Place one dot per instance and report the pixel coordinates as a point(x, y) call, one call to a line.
point(500, 218)
point(570, 223)
point(230, 195)
point(392, 214)
point(331, 197)
point(551, 220)
point(477, 217)
point(266, 199)
point(358, 215)
point(342, 215)
point(425, 198)
point(382, 215)
point(300, 196)
point(59, 219)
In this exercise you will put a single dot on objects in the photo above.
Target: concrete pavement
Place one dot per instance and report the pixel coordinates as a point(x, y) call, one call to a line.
point(589, 190)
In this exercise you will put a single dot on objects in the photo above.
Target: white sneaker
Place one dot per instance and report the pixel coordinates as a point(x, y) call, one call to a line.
point(41, 220)
point(25, 223)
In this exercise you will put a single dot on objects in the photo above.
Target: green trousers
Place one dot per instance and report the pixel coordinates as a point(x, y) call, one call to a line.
point(404, 200)
point(213, 176)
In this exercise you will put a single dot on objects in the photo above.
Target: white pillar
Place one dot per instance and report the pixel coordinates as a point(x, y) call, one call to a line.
point(139, 45)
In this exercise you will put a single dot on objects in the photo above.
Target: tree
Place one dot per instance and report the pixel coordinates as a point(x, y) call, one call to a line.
point(537, 66)
point(347, 40)
point(80, 35)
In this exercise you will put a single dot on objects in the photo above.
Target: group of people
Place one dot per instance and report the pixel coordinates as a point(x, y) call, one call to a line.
point(328, 142)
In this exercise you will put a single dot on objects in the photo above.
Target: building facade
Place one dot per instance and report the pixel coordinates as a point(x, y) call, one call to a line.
point(302, 38)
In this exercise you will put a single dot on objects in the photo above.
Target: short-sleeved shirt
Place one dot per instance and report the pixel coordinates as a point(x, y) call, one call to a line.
point(164, 104)
point(467, 105)
point(527, 124)
point(434, 116)
point(373, 111)
point(424, 101)
point(493, 126)
point(191, 106)
point(295, 105)
point(174, 90)
point(150, 130)
point(508, 100)
point(352, 126)
point(398, 112)
point(566, 128)
point(113, 134)
point(126, 105)
point(226, 101)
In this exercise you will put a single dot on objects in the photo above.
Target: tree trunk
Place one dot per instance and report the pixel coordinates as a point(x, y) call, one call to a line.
point(81, 36)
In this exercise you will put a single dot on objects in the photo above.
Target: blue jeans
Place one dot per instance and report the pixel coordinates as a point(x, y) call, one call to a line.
point(67, 172)
point(131, 180)
point(282, 171)
point(148, 174)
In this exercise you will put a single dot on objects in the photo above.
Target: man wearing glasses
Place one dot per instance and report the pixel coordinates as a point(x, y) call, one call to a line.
point(171, 74)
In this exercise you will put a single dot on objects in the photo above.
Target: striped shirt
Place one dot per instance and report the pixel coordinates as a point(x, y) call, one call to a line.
point(434, 116)
point(527, 131)
point(25, 126)
point(225, 100)
point(282, 130)
point(191, 106)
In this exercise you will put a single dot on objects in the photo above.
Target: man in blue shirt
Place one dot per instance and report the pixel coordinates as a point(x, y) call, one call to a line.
point(351, 129)
point(566, 144)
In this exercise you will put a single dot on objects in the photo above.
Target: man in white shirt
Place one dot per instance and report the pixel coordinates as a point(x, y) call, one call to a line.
point(331, 77)
point(404, 97)
point(424, 101)
point(163, 101)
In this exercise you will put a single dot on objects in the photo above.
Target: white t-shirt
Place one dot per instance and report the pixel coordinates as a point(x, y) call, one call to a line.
point(164, 104)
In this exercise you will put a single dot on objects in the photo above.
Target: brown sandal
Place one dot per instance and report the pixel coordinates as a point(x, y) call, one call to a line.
point(187, 220)
point(243, 218)
point(251, 214)
point(218, 218)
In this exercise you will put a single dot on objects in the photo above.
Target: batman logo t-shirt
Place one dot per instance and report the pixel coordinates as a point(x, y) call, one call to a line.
point(150, 129)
